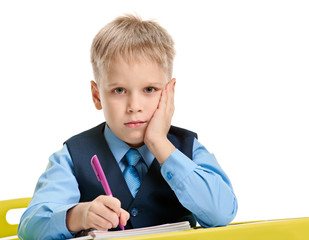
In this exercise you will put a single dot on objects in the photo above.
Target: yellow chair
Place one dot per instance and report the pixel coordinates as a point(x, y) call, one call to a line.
point(6, 229)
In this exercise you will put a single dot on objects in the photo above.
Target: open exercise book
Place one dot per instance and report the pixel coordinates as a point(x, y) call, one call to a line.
point(164, 228)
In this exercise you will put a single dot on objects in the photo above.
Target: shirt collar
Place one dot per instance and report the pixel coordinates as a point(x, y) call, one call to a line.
point(119, 148)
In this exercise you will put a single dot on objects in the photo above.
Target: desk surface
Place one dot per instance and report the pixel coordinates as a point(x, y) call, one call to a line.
point(283, 229)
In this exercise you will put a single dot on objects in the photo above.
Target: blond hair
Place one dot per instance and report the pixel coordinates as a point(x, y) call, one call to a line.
point(132, 39)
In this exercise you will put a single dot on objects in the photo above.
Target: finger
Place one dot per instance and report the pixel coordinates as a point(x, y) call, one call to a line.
point(173, 102)
point(113, 203)
point(124, 217)
point(109, 216)
point(107, 208)
point(173, 91)
point(110, 202)
point(93, 220)
point(174, 83)
point(100, 223)
point(163, 99)
point(170, 97)
point(171, 86)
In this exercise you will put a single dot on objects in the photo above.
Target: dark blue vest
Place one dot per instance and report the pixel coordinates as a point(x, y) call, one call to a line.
point(155, 202)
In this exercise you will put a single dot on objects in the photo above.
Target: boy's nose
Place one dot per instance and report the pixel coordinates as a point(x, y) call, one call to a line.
point(134, 104)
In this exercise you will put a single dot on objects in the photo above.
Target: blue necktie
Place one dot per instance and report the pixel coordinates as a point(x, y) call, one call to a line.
point(130, 173)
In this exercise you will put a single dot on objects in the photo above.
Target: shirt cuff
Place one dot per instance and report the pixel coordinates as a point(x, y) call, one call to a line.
point(176, 168)
point(59, 221)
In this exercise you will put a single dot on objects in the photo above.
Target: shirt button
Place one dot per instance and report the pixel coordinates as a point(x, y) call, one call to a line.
point(169, 175)
point(134, 212)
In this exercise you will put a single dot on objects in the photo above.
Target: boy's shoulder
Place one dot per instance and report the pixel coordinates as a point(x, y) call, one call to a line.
point(97, 130)
point(181, 132)
point(182, 139)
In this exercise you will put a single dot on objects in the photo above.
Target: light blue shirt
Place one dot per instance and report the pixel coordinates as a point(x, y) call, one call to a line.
point(200, 185)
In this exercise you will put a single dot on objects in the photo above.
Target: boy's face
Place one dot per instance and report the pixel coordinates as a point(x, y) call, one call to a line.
point(129, 96)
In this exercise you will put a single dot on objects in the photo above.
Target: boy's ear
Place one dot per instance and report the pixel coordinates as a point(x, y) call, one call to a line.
point(95, 95)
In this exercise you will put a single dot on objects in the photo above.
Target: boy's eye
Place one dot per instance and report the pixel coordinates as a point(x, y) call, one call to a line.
point(119, 91)
point(150, 89)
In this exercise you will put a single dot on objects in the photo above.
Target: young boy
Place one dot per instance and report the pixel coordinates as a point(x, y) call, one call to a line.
point(175, 177)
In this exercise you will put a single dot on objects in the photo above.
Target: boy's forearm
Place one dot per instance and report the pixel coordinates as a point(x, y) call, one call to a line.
point(203, 180)
point(40, 220)
point(161, 149)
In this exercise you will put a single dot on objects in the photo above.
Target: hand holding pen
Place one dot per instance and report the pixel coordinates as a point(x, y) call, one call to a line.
point(102, 213)
point(101, 177)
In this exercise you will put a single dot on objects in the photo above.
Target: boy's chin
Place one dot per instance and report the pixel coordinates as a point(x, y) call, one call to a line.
point(135, 139)
point(135, 144)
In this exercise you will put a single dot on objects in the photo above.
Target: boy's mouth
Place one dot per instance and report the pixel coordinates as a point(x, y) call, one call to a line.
point(135, 124)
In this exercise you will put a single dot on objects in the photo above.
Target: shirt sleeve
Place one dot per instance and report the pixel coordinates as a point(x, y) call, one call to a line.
point(201, 186)
point(56, 192)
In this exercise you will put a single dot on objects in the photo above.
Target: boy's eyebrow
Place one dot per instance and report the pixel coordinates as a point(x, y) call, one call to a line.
point(114, 84)
point(155, 83)
point(117, 84)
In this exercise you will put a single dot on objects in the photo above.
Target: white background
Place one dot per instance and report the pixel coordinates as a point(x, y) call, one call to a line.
point(242, 70)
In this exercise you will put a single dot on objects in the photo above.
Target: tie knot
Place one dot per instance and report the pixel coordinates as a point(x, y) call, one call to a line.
point(133, 156)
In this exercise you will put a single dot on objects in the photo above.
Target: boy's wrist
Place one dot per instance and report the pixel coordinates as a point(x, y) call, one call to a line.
point(161, 149)
point(74, 218)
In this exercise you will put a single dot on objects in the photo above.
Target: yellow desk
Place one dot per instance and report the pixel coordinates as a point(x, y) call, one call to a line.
point(281, 229)
point(285, 229)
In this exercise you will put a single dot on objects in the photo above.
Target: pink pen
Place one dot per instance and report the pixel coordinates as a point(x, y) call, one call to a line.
point(101, 177)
